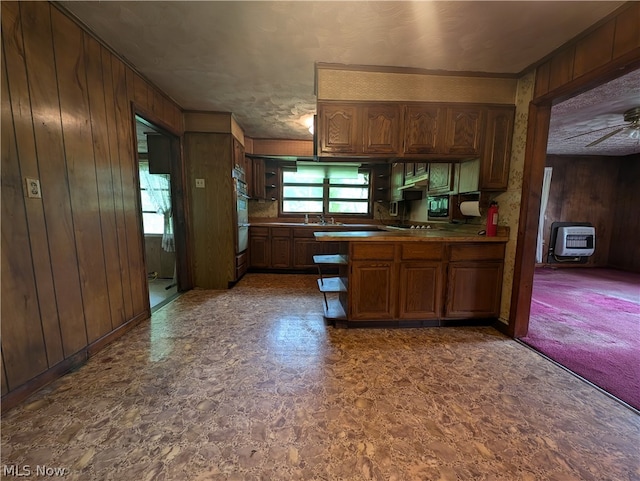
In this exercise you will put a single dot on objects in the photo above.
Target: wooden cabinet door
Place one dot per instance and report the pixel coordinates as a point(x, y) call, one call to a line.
point(338, 129)
point(440, 178)
point(420, 293)
point(464, 131)
point(304, 250)
point(381, 129)
point(397, 180)
point(281, 252)
point(420, 169)
point(474, 289)
point(259, 252)
point(496, 159)
point(423, 129)
point(469, 178)
point(372, 290)
point(409, 172)
point(257, 184)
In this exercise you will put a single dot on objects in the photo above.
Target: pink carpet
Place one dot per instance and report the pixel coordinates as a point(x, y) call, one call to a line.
point(588, 320)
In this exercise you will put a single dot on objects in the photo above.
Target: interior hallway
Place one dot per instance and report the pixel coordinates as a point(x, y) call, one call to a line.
point(249, 384)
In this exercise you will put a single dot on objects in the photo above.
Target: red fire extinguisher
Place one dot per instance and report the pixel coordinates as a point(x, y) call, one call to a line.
point(492, 219)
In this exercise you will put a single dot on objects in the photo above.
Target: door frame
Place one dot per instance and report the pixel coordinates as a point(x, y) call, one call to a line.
point(179, 204)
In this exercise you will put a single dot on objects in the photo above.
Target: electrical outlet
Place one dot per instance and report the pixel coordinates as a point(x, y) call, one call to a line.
point(200, 183)
point(33, 188)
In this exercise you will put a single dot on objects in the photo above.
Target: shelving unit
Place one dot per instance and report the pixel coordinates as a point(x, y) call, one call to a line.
point(334, 309)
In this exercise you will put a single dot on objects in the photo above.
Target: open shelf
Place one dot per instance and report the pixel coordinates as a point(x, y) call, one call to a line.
point(333, 310)
point(332, 284)
point(330, 259)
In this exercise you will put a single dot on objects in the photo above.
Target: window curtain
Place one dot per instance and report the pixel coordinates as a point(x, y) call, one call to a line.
point(544, 199)
point(158, 187)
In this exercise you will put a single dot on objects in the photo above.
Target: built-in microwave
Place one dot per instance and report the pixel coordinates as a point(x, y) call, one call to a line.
point(438, 207)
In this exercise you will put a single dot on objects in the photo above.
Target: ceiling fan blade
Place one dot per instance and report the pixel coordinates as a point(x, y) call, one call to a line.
point(605, 137)
point(592, 131)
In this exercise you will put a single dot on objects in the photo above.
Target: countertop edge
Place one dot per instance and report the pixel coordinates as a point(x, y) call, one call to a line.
point(404, 236)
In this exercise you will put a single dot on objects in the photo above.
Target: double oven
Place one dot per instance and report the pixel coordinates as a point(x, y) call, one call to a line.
point(242, 209)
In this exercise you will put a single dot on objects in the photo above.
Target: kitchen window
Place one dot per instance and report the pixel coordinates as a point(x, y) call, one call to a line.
point(328, 189)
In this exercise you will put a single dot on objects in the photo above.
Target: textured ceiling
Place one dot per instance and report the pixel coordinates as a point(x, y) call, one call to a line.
point(256, 59)
point(577, 122)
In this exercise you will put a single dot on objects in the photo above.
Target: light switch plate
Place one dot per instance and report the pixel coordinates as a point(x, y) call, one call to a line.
point(33, 188)
point(200, 183)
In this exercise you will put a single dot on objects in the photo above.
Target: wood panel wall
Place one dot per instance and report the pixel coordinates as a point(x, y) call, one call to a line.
point(73, 273)
point(209, 156)
point(584, 60)
point(585, 189)
point(624, 250)
point(158, 260)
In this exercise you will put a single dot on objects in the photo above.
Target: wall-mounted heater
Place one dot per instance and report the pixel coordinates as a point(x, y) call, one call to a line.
point(571, 242)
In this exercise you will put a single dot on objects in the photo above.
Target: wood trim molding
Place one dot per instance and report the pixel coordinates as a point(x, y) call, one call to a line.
point(535, 158)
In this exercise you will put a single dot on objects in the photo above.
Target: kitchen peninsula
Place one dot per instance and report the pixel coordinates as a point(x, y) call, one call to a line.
point(422, 277)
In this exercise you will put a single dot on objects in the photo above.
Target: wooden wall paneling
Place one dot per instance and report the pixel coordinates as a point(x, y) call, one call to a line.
point(130, 189)
point(554, 205)
point(583, 189)
point(101, 150)
point(209, 157)
point(624, 250)
point(22, 338)
point(627, 36)
point(18, 92)
point(561, 68)
point(39, 56)
point(595, 49)
point(140, 91)
point(68, 40)
point(108, 75)
point(543, 73)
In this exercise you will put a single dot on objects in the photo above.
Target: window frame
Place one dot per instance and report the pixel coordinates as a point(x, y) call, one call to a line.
point(325, 197)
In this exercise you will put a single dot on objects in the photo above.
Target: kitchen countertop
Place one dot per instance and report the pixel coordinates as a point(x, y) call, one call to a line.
point(314, 225)
point(388, 233)
point(413, 235)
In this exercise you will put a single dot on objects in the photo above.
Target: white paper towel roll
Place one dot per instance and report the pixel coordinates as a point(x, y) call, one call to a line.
point(470, 208)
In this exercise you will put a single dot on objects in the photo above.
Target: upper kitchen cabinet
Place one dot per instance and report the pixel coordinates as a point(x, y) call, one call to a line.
point(424, 126)
point(381, 129)
point(352, 129)
point(417, 130)
point(440, 178)
point(490, 171)
point(338, 125)
point(496, 158)
point(464, 131)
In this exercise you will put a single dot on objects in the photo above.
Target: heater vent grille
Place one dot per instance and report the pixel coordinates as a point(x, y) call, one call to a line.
point(575, 241)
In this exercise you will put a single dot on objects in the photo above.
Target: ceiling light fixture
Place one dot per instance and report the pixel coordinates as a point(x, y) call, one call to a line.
point(308, 122)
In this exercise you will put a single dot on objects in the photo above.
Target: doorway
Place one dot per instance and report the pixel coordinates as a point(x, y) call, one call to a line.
point(157, 206)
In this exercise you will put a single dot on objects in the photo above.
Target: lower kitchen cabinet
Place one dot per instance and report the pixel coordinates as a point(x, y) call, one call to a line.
point(259, 247)
point(428, 283)
point(281, 247)
point(420, 293)
point(284, 248)
point(474, 281)
point(372, 287)
point(473, 289)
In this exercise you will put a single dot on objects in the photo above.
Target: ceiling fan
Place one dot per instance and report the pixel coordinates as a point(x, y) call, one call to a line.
point(632, 127)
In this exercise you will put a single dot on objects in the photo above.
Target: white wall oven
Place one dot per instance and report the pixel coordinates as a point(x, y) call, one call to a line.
point(242, 209)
